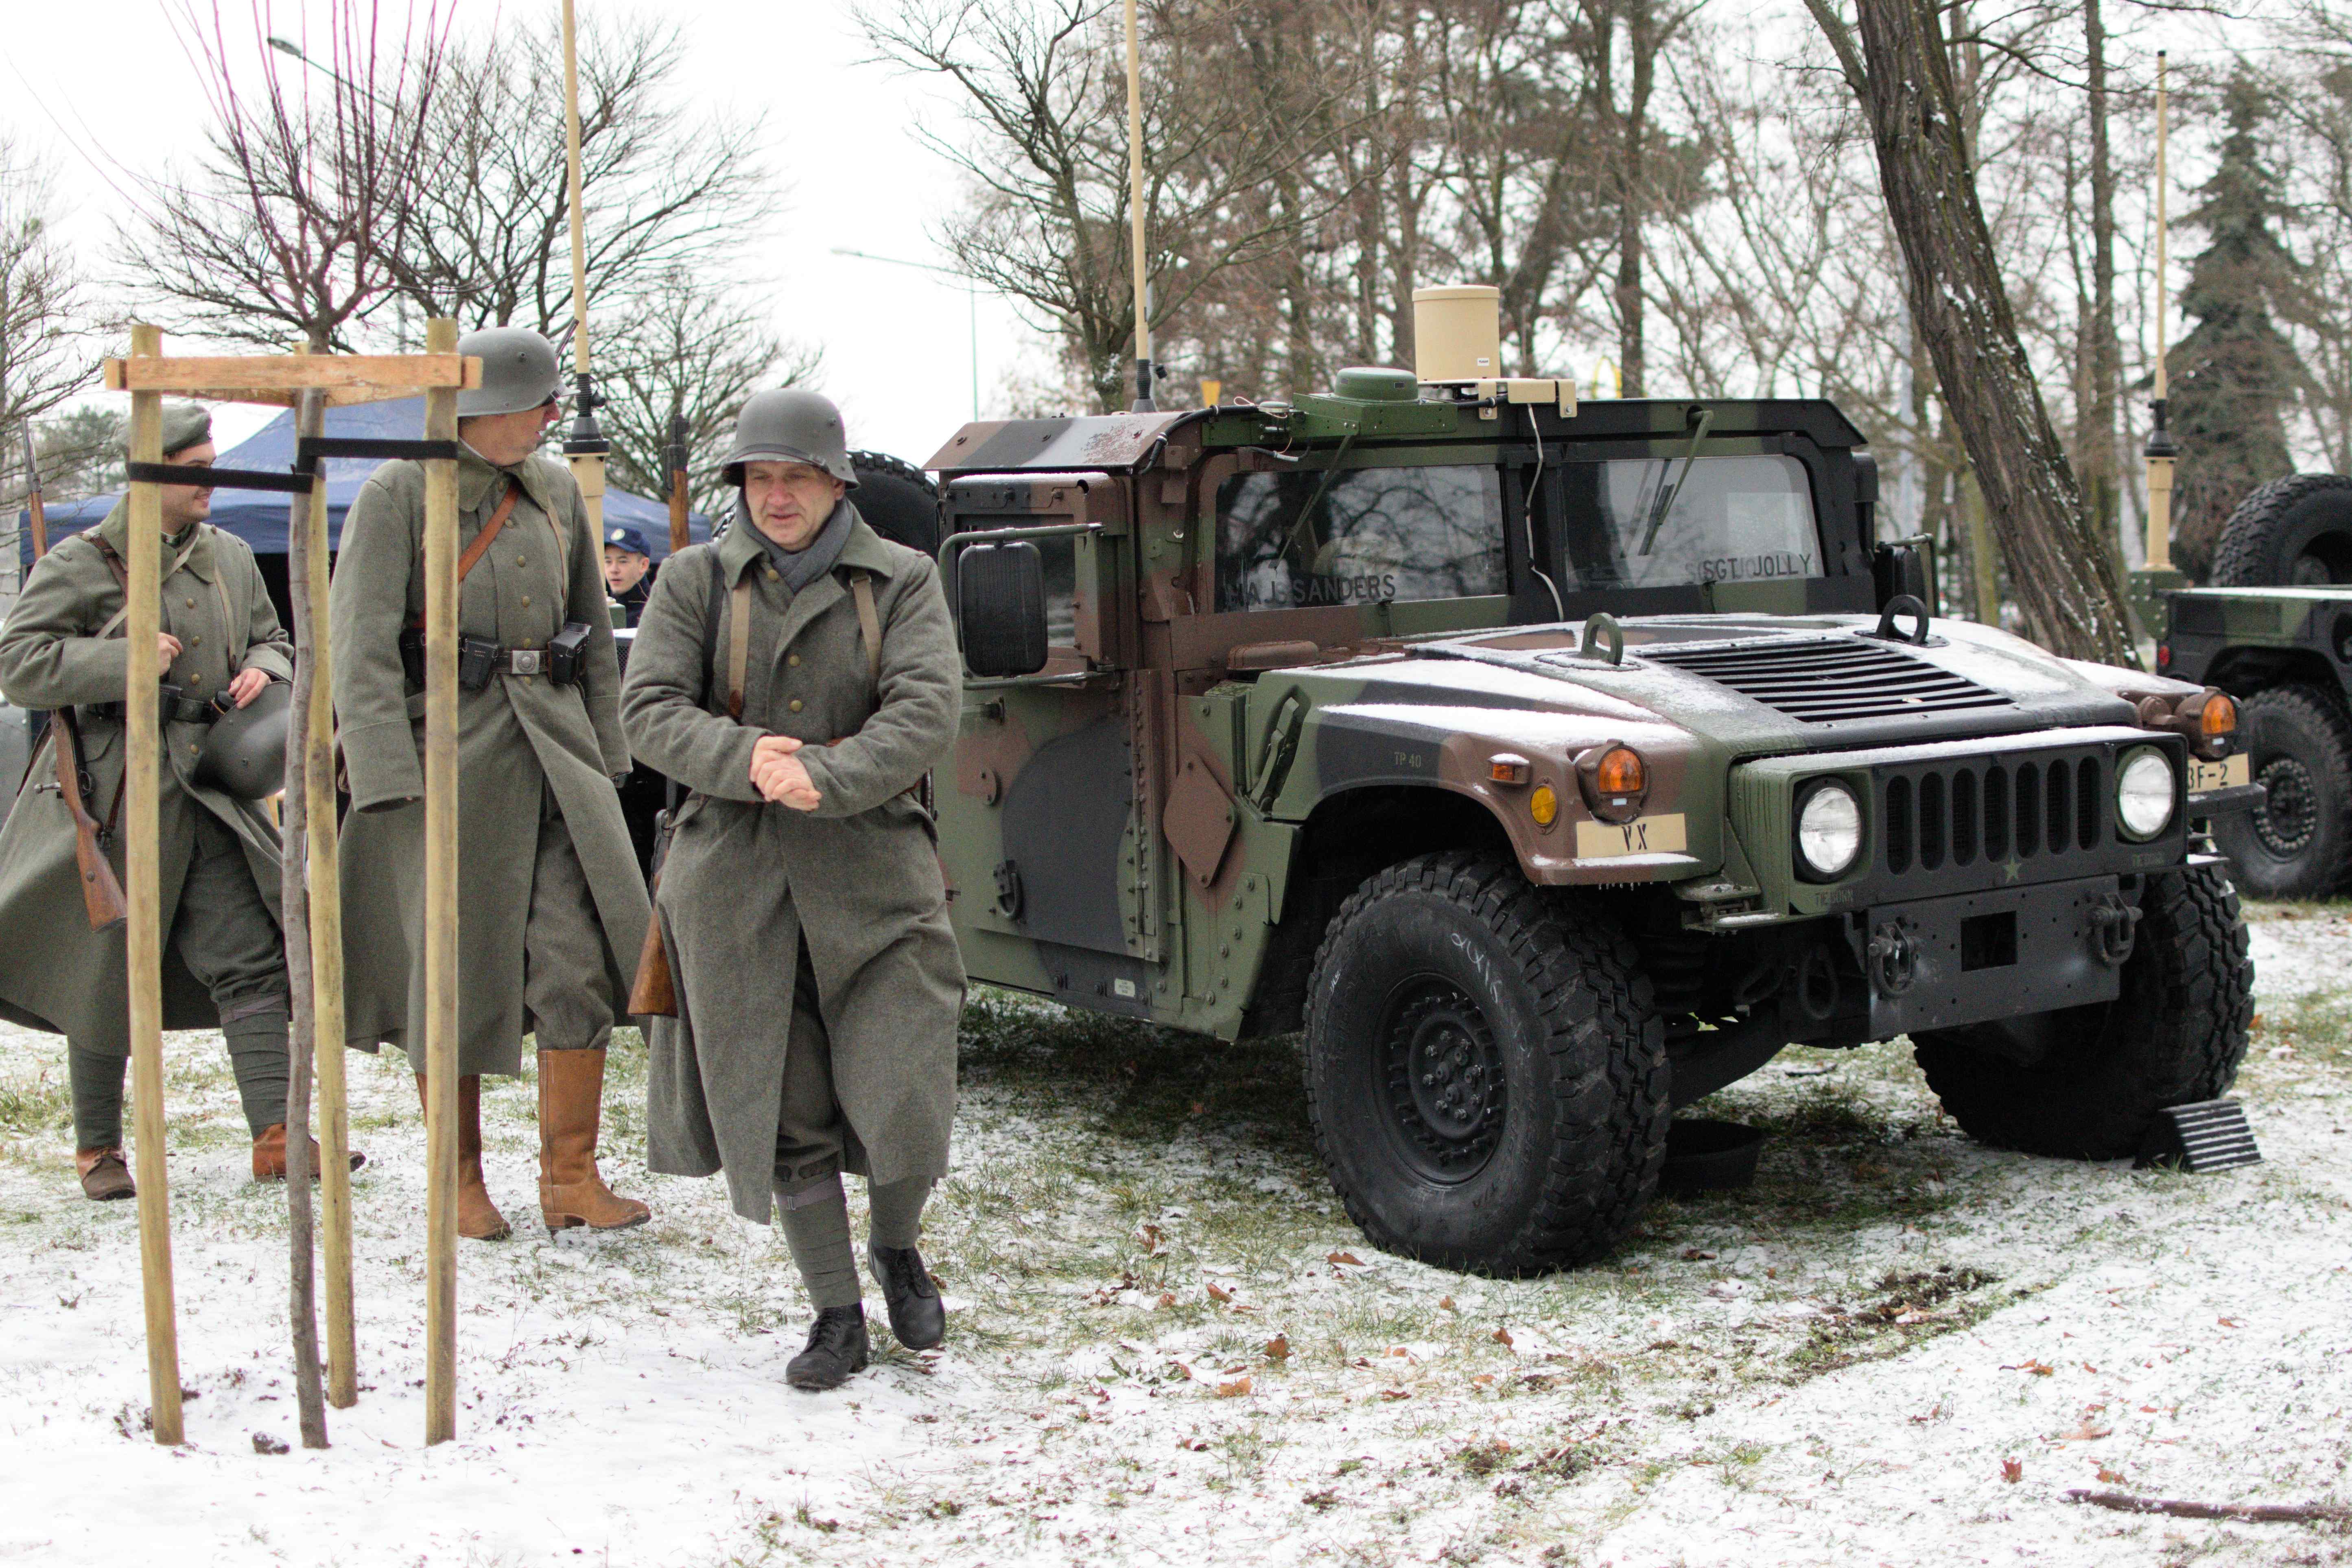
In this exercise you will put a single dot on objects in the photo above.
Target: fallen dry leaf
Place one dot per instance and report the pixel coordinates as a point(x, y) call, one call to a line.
point(1155, 1241)
point(1194, 1445)
point(2012, 1469)
point(1444, 1303)
point(1344, 1259)
point(2038, 1369)
point(1502, 1337)
point(2085, 1433)
point(2113, 1478)
point(1233, 1388)
point(1218, 1293)
point(1166, 1298)
point(1278, 1348)
point(2229, 1322)
point(1483, 1380)
point(1395, 1394)
point(1692, 1255)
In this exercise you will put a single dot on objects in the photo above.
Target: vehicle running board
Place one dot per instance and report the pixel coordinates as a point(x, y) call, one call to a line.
point(2208, 1135)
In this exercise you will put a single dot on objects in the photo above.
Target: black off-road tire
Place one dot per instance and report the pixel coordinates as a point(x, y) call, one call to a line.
point(1454, 962)
point(2085, 1082)
point(2298, 843)
point(897, 500)
point(2294, 532)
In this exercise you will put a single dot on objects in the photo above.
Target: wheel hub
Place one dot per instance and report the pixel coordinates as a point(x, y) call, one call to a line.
point(2289, 814)
point(1444, 1078)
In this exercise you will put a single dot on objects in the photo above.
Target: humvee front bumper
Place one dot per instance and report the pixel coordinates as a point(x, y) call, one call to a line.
point(1940, 963)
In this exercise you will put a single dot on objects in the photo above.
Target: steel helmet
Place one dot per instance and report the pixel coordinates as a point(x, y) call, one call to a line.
point(790, 425)
point(244, 754)
point(519, 371)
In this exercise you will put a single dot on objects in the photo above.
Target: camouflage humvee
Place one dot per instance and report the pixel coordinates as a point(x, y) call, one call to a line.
point(1551, 766)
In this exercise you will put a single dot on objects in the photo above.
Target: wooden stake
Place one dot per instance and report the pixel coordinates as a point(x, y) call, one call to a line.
point(440, 954)
point(294, 907)
point(143, 933)
point(325, 869)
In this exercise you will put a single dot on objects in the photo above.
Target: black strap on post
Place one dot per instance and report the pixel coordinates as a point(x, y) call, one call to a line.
point(210, 479)
point(311, 448)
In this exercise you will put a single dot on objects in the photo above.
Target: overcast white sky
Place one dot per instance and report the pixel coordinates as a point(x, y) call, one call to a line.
point(103, 83)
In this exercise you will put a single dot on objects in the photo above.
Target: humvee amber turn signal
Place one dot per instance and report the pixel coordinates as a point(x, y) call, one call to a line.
point(1505, 768)
point(1614, 779)
point(2220, 715)
point(1543, 805)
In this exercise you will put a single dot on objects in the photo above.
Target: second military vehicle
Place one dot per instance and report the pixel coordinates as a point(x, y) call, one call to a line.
point(2275, 631)
point(1552, 765)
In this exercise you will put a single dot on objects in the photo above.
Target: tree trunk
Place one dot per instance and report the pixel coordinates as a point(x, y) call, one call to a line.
point(2063, 572)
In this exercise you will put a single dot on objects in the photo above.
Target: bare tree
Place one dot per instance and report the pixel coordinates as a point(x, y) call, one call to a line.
point(305, 193)
point(687, 351)
point(1235, 106)
point(43, 357)
point(1896, 60)
point(665, 187)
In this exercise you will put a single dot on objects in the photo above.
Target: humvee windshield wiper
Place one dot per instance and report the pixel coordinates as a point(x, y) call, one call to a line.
point(1668, 495)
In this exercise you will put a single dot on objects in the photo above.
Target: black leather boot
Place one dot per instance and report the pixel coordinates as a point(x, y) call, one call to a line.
point(836, 1347)
point(916, 1318)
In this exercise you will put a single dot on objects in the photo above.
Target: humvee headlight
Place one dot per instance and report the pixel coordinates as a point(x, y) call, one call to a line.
point(2219, 716)
point(1615, 780)
point(2144, 790)
point(1829, 831)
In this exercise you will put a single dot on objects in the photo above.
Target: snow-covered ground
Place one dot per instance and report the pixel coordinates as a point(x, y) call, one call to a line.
point(1168, 1345)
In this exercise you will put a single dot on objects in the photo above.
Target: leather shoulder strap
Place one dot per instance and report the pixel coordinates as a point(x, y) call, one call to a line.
point(861, 588)
point(489, 536)
point(738, 645)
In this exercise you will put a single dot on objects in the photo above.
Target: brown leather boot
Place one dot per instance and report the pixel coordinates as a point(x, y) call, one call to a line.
point(571, 1103)
point(478, 1219)
point(269, 1156)
point(104, 1175)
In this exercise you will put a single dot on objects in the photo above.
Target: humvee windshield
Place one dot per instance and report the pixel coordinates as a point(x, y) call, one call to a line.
point(1732, 519)
point(1359, 535)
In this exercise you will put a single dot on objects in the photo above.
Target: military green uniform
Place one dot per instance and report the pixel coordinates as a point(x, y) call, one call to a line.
point(550, 905)
point(782, 1085)
point(223, 960)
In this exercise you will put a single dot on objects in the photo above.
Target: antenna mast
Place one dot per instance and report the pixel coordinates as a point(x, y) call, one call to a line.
point(2161, 449)
point(1143, 403)
point(585, 446)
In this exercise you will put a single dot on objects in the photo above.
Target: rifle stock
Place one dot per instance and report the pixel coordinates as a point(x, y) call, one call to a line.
point(101, 891)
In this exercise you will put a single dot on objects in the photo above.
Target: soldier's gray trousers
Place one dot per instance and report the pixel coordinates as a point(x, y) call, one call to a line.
point(223, 933)
point(567, 994)
point(811, 1138)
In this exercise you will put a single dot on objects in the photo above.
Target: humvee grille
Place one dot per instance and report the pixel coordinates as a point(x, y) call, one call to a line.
point(1832, 681)
point(1995, 811)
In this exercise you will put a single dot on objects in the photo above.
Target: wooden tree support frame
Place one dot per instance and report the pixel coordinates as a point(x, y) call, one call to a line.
point(283, 380)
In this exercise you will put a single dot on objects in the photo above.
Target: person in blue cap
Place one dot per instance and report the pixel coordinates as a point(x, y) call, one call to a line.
point(628, 569)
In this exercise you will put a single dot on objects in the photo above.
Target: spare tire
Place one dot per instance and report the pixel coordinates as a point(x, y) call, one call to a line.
point(2294, 532)
point(897, 500)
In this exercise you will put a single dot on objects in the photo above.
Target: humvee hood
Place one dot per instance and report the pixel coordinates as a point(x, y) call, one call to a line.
point(1759, 685)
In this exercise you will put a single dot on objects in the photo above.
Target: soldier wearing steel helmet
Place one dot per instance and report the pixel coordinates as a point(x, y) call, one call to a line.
point(801, 676)
point(219, 649)
point(550, 906)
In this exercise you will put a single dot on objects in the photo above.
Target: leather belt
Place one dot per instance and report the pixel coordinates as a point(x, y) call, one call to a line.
point(173, 705)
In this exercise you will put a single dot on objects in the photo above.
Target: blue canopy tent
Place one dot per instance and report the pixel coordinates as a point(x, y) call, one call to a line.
point(258, 517)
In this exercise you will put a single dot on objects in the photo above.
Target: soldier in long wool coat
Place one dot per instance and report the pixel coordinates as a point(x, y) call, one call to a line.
point(801, 676)
point(223, 959)
point(550, 905)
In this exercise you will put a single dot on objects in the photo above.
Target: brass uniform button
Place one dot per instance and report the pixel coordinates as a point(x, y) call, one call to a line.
point(197, 679)
point(195, 642)
point(191, 604)
point(522, 561)
point(772, 574)
point(794, 705)
point(526, 601)
point(793, 660)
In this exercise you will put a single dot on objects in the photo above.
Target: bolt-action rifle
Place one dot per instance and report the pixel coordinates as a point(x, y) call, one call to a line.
point(101, 894)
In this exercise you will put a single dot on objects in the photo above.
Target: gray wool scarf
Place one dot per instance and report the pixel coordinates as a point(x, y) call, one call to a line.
point(802, 567)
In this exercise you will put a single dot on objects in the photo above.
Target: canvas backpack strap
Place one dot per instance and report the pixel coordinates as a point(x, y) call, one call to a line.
point(861, 588)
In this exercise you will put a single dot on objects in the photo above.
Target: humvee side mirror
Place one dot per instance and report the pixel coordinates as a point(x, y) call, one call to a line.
point(1001, 609)
point(1906, 568)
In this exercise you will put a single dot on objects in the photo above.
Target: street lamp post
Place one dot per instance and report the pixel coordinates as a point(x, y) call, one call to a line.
point(971, 298)
point(288, 47)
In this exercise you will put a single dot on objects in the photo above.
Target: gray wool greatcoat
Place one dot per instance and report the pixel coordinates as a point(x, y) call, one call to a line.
point(746, 881)
point(54, 971)
point(519, 738)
